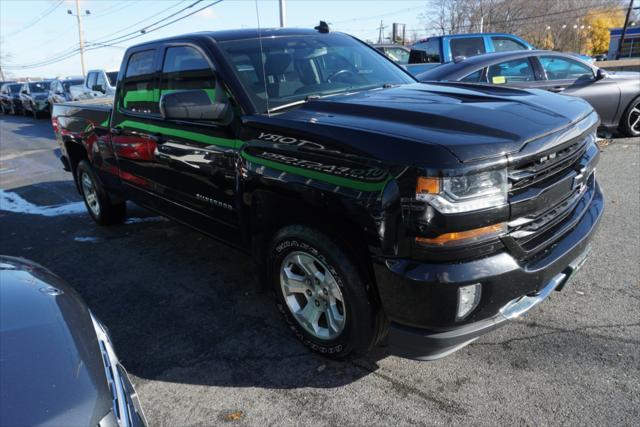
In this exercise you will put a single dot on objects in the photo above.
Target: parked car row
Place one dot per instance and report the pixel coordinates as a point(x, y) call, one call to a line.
point(36, 98)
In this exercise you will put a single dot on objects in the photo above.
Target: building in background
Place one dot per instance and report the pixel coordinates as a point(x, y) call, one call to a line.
point(630, 45)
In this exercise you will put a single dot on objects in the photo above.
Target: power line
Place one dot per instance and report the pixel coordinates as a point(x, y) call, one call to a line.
point(143, 30)
point(37, 19)
point(140, 33)
point(75, 48)
point(102, 37)
point(523, 18)
point(72, 50)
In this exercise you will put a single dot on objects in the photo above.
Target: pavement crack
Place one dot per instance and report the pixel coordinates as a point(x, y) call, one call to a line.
point(446, 405)
point(554, 330)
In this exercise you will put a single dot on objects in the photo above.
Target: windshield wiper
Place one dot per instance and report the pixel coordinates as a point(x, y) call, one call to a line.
point(294, 103)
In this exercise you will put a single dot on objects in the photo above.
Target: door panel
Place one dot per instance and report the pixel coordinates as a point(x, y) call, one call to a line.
point(572, 77)
point(195, 160)
point(179, 167)
point(135, 108)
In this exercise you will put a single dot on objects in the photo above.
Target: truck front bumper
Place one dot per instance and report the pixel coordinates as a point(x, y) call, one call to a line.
point(420, 299)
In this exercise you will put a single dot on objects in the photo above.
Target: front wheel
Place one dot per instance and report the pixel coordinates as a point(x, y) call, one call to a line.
point(321, 293)
point(100, 207)
point(630, 123)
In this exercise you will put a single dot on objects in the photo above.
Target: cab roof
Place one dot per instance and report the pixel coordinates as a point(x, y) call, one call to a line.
point(241, 34)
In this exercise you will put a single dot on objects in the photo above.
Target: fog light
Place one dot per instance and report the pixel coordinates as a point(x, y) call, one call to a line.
point(468, 299)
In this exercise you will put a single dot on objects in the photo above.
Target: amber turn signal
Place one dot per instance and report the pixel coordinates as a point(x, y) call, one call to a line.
point(463, 236)
point(428, 185)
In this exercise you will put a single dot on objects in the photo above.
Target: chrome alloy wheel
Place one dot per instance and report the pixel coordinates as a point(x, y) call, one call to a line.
point(312, 295)
point(90, 193)
point(634, 118)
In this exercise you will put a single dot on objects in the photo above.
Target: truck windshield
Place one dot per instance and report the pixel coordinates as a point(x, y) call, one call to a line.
point(39, 87)
point(294, 68)
point(68, 83)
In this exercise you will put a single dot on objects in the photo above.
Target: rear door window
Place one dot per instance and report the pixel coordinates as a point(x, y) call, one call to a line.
point(101, 81)
point(113, 77)
point(518, 70)
point(91, 80)
point(138, 94)
point(401, 56)
point(506, 44)
point(560, 68)
point(475, 77)
point(185, 68)
point(429, 52)
point(467, 46)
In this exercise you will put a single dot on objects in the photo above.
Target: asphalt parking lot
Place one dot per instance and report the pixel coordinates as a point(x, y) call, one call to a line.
point(204, 347)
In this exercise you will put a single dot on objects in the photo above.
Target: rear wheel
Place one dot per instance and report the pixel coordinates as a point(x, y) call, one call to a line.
point(100, 207)
point(321, 293)
point(630, 123)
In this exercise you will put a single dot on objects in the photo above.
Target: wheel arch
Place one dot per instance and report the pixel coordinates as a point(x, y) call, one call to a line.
point(348, 224)
point(75, 153)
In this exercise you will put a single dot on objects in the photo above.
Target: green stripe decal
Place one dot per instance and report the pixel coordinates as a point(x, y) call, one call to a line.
point(320, 176)
point(184, 134)
point(140, 96)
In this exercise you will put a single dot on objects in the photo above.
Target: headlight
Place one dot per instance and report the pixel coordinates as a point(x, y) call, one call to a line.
point(464, 193)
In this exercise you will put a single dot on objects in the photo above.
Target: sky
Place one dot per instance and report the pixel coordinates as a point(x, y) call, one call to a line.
point(27, 39)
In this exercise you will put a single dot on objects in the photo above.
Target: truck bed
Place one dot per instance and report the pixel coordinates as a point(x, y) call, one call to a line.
point(76, 115)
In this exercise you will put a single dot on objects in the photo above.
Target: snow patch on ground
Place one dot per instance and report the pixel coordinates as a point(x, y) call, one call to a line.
point(136, 220)
point(87, 239)
point(12, 202)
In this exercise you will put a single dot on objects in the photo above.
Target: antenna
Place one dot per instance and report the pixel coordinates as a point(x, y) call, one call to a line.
point(264, 76)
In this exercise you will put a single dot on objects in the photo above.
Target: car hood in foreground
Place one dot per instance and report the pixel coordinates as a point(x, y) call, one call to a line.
point(51, 370)
point(471, 121)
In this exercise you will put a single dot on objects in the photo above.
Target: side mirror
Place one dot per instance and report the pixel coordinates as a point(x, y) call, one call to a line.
point(98, 88)
point(23, 91)
point(601, 74)
point(191, 105)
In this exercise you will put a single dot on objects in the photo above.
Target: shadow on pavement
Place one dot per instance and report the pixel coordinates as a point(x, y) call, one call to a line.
point(30, 127)
point(180, 306)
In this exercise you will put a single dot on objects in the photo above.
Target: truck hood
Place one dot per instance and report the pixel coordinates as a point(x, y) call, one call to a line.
point(472, 122)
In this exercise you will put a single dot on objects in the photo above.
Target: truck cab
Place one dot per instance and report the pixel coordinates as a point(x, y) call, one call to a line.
point(436, 50)
point(96, 84)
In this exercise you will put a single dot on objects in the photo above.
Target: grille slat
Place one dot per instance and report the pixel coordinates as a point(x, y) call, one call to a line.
point(538, 174)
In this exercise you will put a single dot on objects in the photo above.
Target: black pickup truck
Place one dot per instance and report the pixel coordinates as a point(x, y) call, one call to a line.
point(379, 209)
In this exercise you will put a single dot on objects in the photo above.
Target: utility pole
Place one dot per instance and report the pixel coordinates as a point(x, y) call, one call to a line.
point(283, 14)
point(624, 29)
point(380, 33)
point(78, 16)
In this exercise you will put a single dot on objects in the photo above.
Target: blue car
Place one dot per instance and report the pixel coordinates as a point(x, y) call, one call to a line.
point(432, 51)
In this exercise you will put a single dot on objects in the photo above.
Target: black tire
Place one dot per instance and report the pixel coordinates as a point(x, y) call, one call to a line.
point(107, 212)
point(631, 113)
point(34, 113)
point(362, 316)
